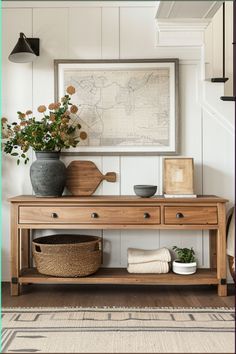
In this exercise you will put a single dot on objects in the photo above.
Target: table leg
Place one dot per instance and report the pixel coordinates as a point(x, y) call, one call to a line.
point(221, 251)
point(15, 261)
point(25, 248)
point(213, 248)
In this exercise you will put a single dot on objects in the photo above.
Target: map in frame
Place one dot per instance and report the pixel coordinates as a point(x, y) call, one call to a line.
point(124, 107)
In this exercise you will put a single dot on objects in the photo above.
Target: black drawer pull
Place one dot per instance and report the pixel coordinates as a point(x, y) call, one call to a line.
point(179, 215)
point(146, 215)
point(54, 215)
point(94, 215)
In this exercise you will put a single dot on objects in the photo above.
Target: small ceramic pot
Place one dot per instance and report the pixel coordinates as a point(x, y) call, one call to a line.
point(184, 268)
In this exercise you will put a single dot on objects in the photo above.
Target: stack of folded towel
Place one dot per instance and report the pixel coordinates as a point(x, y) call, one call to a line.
point(148, 261)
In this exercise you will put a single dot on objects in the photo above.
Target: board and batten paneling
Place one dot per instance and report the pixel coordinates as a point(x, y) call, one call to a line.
point(17, 96)
point(84, 33)
point(110, 39)
point(138, 170)
point(214, 47)
point(111, 238)
point(137, 33)
point(51, 26)
point(96, 32)
point(190, 145)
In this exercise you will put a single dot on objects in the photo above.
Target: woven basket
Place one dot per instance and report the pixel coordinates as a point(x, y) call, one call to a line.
point(67, 255)
point(231, 268)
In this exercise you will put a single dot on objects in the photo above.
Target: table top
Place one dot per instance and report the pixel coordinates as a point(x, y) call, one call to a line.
point(116, 199)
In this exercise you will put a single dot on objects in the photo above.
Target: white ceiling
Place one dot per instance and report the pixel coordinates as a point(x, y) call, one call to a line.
point(187, 9)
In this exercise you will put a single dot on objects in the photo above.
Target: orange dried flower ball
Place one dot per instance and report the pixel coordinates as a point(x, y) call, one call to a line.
point(74, 109)
point(4, 120)
point(16, 128)
point(28, 112)
point(57, 105)
point(51, 106)
point(52, 117)
point(65, 120)
point(42, 109)
point(83, 135)
point(70, 90)
point(66, 114)
point(21, 115)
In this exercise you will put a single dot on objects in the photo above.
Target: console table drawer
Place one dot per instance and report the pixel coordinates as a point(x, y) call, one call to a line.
point(89, 215)
point(190, 215)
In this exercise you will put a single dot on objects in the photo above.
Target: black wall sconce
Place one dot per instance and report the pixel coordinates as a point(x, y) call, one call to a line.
point(25, 50)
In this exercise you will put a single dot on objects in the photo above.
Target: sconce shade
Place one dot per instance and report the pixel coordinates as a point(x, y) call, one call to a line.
point(22, 52)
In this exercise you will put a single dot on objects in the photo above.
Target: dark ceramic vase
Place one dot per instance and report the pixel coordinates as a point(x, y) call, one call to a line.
point(48, 174)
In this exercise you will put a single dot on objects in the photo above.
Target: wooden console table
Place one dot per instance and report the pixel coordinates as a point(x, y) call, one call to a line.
point(116, 212)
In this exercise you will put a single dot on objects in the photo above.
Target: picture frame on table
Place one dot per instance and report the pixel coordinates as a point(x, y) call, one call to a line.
point(127, 107)
point(178, 176)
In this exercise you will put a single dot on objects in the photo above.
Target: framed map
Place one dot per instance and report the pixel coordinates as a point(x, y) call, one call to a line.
point(127, 107)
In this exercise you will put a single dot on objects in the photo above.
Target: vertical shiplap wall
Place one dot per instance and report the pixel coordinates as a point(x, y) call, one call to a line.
point(102, 32)
point(17, 95)
point(214, 46)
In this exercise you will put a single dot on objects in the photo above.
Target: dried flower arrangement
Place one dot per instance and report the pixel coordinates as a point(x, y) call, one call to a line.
point(58, 129)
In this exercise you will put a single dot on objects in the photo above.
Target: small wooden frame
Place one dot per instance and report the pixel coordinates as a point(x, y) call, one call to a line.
point(178, 175)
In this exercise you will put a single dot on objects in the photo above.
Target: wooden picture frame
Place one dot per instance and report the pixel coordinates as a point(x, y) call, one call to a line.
point(178, 175)
point(127, 107)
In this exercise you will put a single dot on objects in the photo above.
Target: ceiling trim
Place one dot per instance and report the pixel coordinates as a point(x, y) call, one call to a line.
point(76, 3)
point(165, 9)
point(182, 24)
point(181, 32)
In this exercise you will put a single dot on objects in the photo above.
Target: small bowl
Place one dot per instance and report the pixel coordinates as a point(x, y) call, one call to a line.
point(145, 191)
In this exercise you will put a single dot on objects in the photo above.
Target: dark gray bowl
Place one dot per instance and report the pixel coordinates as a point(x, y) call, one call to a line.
point(145, 191)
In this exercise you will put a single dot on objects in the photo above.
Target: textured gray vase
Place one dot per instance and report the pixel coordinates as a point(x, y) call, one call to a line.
point(48, 174)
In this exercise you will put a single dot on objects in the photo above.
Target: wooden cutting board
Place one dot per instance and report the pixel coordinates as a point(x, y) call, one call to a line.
point(83, 178)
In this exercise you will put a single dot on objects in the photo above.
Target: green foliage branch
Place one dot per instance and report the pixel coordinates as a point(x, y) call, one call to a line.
point(56, 130)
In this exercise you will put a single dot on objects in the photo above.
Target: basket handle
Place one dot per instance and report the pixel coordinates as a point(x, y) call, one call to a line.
point(100, 245)
point(37, 249)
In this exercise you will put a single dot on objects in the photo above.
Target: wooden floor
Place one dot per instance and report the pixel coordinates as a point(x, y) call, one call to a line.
point(115, 295)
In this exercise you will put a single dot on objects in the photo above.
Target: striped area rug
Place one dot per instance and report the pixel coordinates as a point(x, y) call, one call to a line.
point(118, 330)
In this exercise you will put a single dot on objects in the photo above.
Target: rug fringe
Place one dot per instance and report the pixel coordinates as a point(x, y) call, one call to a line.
point(121, 308)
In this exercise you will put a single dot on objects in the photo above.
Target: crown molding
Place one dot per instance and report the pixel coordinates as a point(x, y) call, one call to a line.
point(182, 24)
point(181, 32)
point(76, 3)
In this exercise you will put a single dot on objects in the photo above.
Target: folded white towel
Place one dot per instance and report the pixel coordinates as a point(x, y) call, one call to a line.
point(149, 267)
point(136, 255)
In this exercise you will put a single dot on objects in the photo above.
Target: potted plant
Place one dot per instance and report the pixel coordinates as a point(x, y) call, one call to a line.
point(186, 262)
point(57, 129)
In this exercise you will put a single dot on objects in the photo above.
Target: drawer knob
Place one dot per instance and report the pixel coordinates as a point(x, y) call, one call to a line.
point(54, 215)
point(94, 215)
point(146, 215)
point(179, 216)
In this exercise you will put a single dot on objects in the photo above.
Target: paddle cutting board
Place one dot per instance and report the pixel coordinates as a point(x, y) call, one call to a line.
point(83, 178)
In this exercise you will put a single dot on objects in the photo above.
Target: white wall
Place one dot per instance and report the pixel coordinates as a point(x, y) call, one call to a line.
point(214, 46)
point(84, 31)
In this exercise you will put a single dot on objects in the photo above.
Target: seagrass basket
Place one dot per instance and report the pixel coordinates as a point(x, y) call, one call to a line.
point(67, 255)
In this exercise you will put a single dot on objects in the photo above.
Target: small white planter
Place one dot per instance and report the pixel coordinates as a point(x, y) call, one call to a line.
point(184, 268)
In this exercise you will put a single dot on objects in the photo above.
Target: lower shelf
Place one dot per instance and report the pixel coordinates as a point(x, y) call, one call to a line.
point(121, 276)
